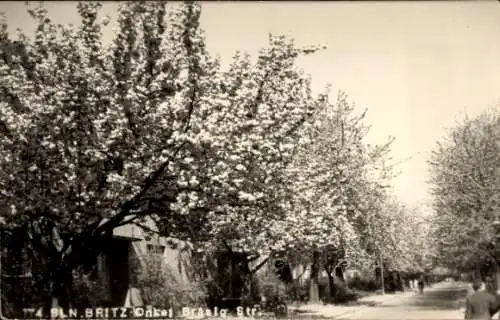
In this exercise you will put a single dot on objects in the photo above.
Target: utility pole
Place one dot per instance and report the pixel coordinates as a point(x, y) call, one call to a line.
point(370, 232)
point(496, 226)
point(382, 274)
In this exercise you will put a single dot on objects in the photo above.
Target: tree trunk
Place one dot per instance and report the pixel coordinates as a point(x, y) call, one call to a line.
point(382, 280)
point(59, 288)
point(47, 300)
point(339, 273)
point(331, 285)
point(495, 276)
point(332, 273)
point(477, 274)
point(56, 281)
point(314, 287)
point(496, 280)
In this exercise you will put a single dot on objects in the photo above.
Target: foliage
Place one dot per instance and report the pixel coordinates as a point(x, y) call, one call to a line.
point(162, 288)
point(465, 179)
point(267, 104)
point(20, 287)
point(402, 236)
point(327, 173)
point(363, 283)
point(343, 294)
point(337, 180)
point(88, 292)
point(98, 135)
point(18, 293)
point(270, 286)
point(95, 135)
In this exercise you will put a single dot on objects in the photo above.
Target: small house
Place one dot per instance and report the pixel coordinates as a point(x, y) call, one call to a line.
point(129, 249)
point(114, 269)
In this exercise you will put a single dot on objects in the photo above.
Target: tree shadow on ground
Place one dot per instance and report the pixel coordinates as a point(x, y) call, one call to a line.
point(438, 300)
point(308, 316)
point(428, 301)
point(362, 303)
point(432, 300)
point(306, 313)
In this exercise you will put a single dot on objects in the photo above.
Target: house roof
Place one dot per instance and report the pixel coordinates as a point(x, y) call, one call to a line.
point(129, 232)
point(133, 232)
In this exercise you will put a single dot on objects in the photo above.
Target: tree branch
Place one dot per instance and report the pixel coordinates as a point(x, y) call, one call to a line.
point(303, 272)
point(129, 205)
point(253, 258)
point(148, 229)
point(260, 265)
point(228, 247)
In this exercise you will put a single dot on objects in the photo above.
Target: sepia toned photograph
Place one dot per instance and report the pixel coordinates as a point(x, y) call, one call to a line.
point(250, 160)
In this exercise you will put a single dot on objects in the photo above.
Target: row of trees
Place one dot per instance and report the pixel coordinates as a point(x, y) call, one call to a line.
point(96, 135)
point(465, 176)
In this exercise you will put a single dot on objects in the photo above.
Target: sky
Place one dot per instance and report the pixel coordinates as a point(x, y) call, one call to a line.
point(416, 66)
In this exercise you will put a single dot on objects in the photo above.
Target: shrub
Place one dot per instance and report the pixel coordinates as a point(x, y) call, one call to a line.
point(161, 287)
point(269, 284)
point(274, 291)
point(215, 293)
point(87, 292)
point(18, 293)
point(252, 291)
point(343, 294)
point(26, 292)
point(363, 284)
point(301, 291)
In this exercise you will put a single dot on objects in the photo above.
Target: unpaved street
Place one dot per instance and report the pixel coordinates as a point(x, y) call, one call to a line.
point(440, 302)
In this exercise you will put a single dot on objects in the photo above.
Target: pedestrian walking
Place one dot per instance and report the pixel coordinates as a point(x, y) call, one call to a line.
point(480, 304)
point(491, 287)
point(421, 284)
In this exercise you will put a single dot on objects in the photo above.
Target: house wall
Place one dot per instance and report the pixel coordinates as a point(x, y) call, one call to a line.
point(176, 259)
point(300, 273)
point(352, 273)
point(174, 253)
point(113, 270)
point(103, 276)
point(130, 236)
point(142, 245)
point(304, 272)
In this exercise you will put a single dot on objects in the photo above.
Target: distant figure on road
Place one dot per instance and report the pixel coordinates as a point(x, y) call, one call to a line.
point(490, 286)
point(421, 284)
point(480, 304)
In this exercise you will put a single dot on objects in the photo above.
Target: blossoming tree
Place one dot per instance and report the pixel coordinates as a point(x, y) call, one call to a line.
point(331, 189)
point(465, 180)
point(98, 135)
